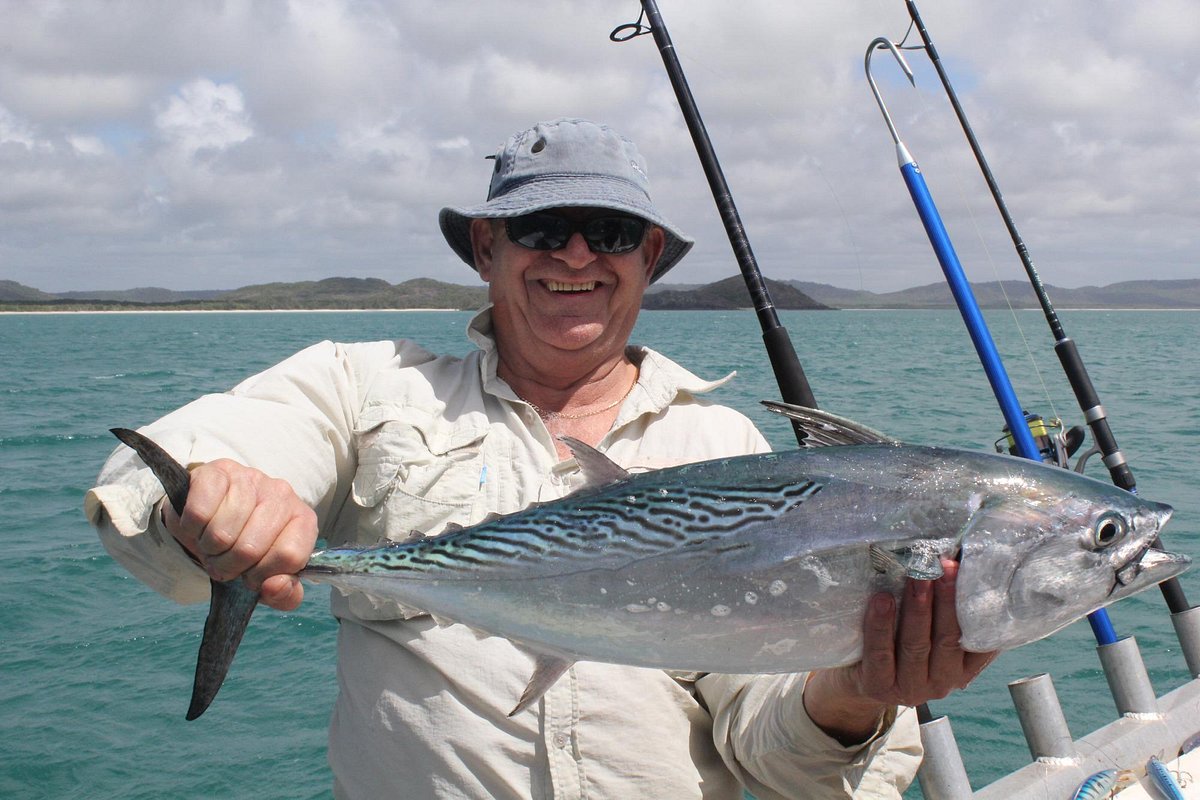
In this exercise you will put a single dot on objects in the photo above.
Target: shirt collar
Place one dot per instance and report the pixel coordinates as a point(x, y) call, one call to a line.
point(660, 380)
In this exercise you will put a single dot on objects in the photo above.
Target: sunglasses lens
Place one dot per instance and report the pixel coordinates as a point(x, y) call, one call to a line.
point(613, 234)
point(539, 231)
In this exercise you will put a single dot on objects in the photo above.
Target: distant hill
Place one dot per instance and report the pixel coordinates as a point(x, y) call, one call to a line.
point(11, 291)
point(368, 293)
point(999, 294)
point(145, 294)
point(355, 293)
point(331, 293)
point(728, 294)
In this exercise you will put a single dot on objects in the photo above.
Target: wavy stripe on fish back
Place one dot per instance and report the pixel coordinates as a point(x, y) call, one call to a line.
point(618, 525)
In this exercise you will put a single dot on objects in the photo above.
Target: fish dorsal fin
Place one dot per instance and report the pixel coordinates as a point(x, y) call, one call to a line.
point(822, 429)
point(598, 469)
point(547, 669)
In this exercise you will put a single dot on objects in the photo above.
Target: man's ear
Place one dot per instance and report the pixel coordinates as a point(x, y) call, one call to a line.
point(656, 242)
point(482, 239)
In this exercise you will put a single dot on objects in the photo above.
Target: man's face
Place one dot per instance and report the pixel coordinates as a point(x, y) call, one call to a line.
point(551, 303)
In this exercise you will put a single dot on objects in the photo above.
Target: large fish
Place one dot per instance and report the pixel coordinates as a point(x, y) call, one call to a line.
point(754, 564)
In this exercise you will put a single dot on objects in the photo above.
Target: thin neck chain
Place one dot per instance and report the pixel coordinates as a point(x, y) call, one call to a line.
point(549, 415)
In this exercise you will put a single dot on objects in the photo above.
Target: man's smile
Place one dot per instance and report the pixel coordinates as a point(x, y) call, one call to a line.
point(560, 286)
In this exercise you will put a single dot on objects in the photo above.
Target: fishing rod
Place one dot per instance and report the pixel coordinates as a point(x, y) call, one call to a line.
point(1064, 346)
point(789, 374)
point(964, 297)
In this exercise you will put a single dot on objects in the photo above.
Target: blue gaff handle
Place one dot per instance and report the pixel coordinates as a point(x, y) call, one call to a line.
point(984, 345)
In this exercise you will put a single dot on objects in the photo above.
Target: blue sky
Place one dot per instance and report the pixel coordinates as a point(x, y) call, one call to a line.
point(216, 145)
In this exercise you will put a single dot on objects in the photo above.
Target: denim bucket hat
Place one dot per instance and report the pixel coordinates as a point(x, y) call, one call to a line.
point(563, 163)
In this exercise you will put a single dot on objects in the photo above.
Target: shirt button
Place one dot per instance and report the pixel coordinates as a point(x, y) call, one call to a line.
point(561, 740)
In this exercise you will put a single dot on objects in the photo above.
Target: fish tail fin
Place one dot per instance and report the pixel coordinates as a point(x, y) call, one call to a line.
point(170, 473)
point(231, 603)
point(229, 612)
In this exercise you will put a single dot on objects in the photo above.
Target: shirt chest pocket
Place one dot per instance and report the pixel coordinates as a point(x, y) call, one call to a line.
point(416, 476)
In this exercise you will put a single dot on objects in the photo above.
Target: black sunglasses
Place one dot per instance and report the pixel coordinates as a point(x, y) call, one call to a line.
point(616, 233)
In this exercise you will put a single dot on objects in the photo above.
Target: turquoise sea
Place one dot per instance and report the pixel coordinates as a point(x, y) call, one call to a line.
point(95, 669)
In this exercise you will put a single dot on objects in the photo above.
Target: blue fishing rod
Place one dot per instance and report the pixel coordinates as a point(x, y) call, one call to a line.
point(964, 297)
point(789, 374)
point(1068, 354)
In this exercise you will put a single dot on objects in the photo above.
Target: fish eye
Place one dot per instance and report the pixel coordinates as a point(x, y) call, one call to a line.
point(1109, 528)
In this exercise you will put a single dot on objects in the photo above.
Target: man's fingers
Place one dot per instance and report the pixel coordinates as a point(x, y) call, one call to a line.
point(289, 551)
point(913, 643)
point(209, 486)
point(226, 526)
point(282, 592)
point(255, 538)
point(240, 522)
point(879, 647)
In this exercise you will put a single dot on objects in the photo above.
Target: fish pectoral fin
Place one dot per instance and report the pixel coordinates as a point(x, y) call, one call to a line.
point(822, 429)
point(229, 613)
point(885, 562)
point(921, 564)
point(547, 669)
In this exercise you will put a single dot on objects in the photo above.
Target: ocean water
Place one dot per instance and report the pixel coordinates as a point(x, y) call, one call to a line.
point(95, 669)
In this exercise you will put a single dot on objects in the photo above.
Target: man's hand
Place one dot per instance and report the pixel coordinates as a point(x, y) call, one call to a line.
point(906, 661)
point(240, 522)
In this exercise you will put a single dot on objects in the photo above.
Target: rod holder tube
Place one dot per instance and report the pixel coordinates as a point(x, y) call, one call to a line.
point(1187, 629)
point(1127, 678)
point(942, 775)
point(1041, 717)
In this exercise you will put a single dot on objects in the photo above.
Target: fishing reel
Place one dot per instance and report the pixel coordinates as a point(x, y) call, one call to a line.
point(1055, 444)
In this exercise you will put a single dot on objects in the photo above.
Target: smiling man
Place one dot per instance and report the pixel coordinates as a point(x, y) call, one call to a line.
point(386, 440)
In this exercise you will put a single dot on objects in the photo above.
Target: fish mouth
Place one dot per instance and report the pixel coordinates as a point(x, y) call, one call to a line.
point(1150, 566)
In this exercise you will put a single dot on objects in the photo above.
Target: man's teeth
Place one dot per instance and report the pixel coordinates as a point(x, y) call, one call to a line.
point(557, 286)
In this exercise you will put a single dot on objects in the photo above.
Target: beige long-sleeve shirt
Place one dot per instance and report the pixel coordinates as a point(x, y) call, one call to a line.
point(385, 439)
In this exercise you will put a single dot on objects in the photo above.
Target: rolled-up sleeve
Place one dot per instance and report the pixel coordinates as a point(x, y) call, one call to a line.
point(766, 738)
point(294, 421)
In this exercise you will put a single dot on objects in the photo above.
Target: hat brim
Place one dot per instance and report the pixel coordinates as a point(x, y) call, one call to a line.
point(564, 191)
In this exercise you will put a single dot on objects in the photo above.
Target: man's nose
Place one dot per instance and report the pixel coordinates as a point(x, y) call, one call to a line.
point(575, 253)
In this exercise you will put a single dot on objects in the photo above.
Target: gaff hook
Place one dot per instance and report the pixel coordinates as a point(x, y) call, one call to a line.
point(882, 43)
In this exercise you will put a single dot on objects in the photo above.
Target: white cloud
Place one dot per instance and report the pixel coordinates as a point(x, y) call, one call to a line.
point(308, 138)
point(87, 145)
point(13, 130)
point(204, 115)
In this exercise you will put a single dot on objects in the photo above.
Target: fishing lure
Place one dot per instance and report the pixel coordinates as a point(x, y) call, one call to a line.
point(1162, 779)
point(1097, 786)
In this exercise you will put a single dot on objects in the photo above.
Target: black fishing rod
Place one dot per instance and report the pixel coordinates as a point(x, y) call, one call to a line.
point(1064, 346)
point(789, 374)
